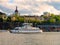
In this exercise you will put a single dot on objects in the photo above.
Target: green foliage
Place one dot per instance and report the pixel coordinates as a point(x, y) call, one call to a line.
point(9, 19)
point(57, 19)
point(1, 20)
point(21, 19)
point(47, 19)
point(51, 20)
point(52, 15)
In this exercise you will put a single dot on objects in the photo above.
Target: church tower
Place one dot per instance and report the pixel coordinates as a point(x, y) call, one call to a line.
point(16, 11)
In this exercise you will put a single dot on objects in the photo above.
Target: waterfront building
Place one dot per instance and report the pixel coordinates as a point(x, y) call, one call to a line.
point(47, 14)
point(26, 17)
point(15, 14)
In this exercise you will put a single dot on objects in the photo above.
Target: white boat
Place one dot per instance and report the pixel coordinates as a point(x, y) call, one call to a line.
point(26, 29)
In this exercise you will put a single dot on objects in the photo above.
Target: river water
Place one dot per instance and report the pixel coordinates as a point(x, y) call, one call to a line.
point(45, 38)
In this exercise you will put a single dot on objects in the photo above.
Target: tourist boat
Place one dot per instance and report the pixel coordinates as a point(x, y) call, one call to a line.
point(26, 29)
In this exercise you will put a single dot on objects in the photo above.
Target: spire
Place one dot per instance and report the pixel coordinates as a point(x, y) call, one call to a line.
point(16, 11)
point(16, 7)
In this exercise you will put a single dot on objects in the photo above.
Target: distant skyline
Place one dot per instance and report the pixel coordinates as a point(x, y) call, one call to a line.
point(30, 7)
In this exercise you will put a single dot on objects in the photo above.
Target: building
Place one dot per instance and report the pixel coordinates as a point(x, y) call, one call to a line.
point(26, 17)
point(16, 13)
point(47, 14)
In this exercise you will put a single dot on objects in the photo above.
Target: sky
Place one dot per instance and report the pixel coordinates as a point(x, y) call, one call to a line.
point(30, 7)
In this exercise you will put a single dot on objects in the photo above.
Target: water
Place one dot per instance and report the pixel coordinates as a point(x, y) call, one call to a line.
point(45, 38)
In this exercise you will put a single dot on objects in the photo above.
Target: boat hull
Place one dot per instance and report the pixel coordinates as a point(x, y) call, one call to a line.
point(20, 31)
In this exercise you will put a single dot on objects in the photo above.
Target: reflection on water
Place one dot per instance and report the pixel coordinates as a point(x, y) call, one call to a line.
point(3, 30)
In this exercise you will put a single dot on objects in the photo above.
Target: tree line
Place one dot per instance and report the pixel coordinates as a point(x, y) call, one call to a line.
point(52, 19)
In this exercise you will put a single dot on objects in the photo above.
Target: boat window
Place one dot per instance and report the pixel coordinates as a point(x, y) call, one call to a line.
point(16, 28)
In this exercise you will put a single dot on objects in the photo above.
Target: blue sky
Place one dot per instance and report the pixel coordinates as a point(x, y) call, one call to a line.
point(30, 7)
point(11, 1)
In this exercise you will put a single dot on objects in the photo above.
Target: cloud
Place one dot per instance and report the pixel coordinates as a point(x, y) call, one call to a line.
point(4, 1)
point(54, 4)
point(32, 6)
point(48, 8)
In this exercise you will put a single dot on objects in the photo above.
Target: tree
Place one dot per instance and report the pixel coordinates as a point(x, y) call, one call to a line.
point(52, 20)
point(57, 19)
point(21, 19)
point(9, 19)
point(1, 20)
point(52, 15)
